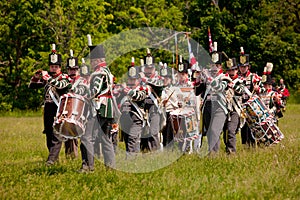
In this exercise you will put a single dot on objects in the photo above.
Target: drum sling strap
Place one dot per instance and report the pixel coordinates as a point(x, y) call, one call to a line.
point(53, 97)
point(204, 97)
point(236, 106)
point(140, 113)
point(155, 101)
point(159, 108)
point(77, 82)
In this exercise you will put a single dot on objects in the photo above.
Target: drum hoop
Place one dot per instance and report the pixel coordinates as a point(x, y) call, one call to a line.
point(187, 135)
point(72, 95)
point(82, 126)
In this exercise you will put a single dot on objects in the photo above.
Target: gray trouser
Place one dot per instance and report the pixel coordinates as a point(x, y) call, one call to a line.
point(55, 148)
point(133, 137)
point(230, 130)
point(167, 131)
point(150, 139)
point(106, 141)
point(87, 146)
point(71, 148)
point(132, 127)
point(215, 128)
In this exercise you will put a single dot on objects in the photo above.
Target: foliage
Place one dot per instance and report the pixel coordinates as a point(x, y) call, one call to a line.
point(268, 30)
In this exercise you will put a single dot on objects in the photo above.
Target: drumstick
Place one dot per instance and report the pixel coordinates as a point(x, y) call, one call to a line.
point(166, 101)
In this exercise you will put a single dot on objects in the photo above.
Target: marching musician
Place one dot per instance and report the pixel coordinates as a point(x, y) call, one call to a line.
point(170, 103)
point(185, 95)
point(71, 145)
point(132, 108)
point(151, 141)
point(282, 89)
point(101, 83)
point(56, 84)
point(212, 89)
point(271, 98)
point(253, 83)
point(234, 106)
point(183, 79)
point(79, 76)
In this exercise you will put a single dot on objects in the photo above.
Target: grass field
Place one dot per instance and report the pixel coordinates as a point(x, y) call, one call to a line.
point(262, 173)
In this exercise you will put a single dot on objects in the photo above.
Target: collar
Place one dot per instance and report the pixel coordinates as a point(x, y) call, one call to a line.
point(234, 77)
point(75, 79)
point(99, 65)
point(220, 72)
point(247, 73)
point(56, 75)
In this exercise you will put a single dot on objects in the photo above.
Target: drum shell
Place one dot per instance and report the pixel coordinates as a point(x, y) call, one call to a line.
point(261, 123)
point(184, 125)
point(71, 116)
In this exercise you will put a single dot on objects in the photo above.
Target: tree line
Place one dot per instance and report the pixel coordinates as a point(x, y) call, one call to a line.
point(267, 29)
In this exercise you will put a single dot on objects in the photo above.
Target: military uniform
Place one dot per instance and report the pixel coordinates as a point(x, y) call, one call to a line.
point(186, 100)
point(234, 100)
point(170, 102)
point(271, 98)
point(150, 140)
point(101, 83)
point(137, 121)
point(250, 81)
point(214, 106)
point(132, 108)
point(71, 145)
point(55, 85)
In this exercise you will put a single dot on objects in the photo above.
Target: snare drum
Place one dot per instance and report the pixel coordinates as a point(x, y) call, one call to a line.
point(184, 124)
point(272, 132)
point(71, 116)
point(261, 122)
point(255, 110)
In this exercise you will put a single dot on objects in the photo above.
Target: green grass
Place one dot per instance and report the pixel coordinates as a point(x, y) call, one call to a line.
point(262, 173)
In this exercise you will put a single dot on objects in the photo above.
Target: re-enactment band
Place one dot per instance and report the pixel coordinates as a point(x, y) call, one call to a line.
point(158, 107)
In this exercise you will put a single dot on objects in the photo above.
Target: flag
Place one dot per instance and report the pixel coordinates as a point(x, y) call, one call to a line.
point(210, 41)
point(192, 58)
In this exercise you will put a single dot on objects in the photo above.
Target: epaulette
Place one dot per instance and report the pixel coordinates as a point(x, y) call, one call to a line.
point(64, 76)
point(255, 78)
point(226, 78)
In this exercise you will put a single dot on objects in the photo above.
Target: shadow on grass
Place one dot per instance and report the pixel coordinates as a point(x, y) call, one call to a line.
point(42, 169)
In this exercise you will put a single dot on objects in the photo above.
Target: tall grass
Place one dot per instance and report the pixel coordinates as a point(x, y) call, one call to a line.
point(262, 173)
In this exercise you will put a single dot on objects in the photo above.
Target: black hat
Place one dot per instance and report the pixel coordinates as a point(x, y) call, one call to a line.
point(149, 59)
point(231, 63)
point(166, 71)
point(97, 52)
point(54, 58)
point(269, 80)
point(244, 58)
point(84, 69)
point(72, 62)
point(183, 65)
